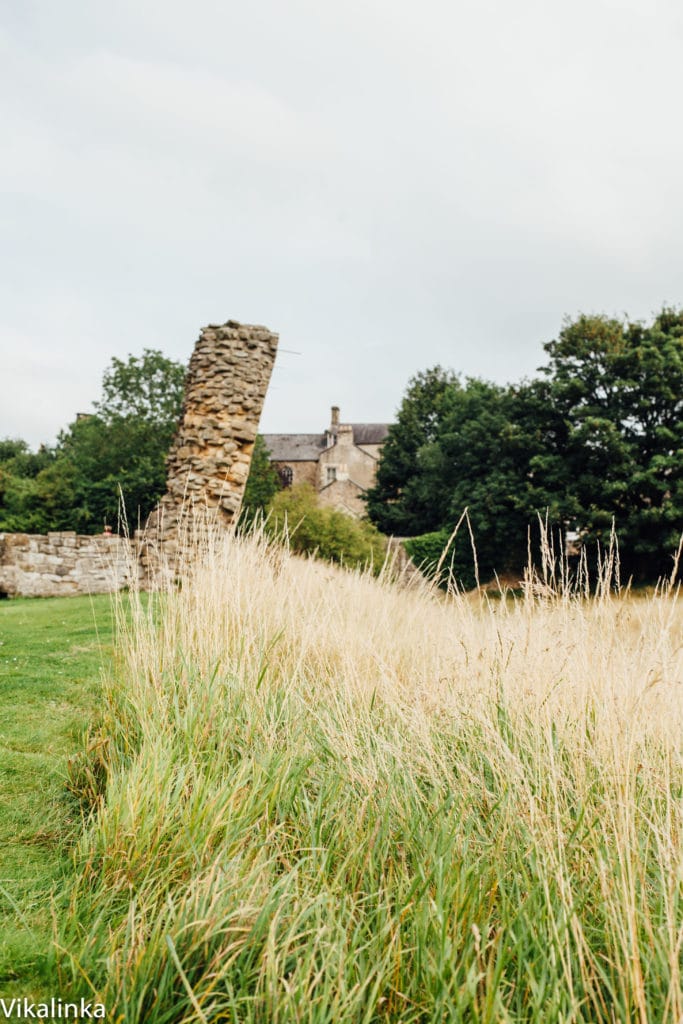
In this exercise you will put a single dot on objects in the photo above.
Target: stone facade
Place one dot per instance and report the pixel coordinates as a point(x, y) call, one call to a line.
point(63, 564)
point(341, 463)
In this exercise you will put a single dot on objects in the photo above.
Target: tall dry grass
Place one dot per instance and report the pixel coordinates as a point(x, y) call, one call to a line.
point(319, 797)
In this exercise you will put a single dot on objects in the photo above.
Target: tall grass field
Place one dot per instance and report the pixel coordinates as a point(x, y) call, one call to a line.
point(314, 796)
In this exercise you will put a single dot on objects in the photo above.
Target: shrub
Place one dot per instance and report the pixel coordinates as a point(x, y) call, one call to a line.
point(315, 530)
point(427, 551)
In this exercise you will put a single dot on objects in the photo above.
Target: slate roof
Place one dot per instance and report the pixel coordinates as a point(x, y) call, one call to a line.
point(307, 447)
point(295, 447)
point(370, 433)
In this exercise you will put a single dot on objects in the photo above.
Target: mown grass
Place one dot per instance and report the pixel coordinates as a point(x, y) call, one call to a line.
point(324, 799)
point(51, 653)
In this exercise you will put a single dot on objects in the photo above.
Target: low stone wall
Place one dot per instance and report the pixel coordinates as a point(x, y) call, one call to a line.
point(62, 564)
point(66, 564)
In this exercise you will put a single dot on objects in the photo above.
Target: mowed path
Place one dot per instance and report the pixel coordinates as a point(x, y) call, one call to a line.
point(51, 656)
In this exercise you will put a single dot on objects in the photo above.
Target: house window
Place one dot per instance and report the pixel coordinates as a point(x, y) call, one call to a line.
point(330, 474)
point(286, 475)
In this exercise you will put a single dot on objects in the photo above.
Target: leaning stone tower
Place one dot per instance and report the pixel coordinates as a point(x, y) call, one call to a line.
point(209, 460)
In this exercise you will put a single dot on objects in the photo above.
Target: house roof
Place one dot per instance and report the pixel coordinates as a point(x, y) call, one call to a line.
point(370, 433)
point(308, 447)
point(295, 447)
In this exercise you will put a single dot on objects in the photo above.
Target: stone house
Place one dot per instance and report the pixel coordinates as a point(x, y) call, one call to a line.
point(341, 463)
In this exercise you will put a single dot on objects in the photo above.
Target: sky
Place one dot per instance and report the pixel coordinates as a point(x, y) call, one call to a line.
point(387, 185)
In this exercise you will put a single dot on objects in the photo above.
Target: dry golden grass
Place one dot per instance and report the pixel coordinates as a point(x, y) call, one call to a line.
point(329, 798)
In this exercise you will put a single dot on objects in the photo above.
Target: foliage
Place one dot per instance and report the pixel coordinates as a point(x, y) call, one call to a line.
point(597, 439)
point(332, 535)
point(121, 458)
point(145, 388)
point(263, 483)
point(117, 453)
point(619, 388)
point(35, 489)
point(487, 451)
point(398, 504)
point(447, 563)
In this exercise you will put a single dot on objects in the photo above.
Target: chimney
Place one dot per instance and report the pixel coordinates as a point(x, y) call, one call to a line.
point(334, 422)
point(345, 435)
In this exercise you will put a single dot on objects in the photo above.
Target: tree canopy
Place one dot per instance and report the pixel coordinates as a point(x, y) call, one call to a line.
point(596, 439)
point(263, 483)
point(619, 389)
point(399, 504)
point(116, 454)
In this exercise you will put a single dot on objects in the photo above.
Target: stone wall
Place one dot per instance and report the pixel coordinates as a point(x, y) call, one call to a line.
point(62, 564)
point(209, 460)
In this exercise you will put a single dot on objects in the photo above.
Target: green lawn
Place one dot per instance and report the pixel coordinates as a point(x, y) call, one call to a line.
point(51, 655)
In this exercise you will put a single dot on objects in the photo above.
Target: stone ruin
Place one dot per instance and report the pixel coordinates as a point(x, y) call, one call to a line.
point(208, 466)
point(210, 456)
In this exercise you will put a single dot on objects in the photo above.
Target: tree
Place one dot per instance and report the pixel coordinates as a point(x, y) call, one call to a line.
point(490, 455)
point(263, 483)
point(120, 452)
point(395, 504)
point(596, 440)
point(619, 389)
point(32, 488)
point(147, 388)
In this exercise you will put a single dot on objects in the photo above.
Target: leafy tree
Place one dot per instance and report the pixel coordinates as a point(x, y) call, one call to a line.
point(29, 486)
point(17, 459)
point(619, 388)
point(432, 555)
point(120, 452)
point(489, 456)
point(114, 460)
point(395, 504)
point(147, 388)
point(122, 448)
point(597, 439)
point(262, 483)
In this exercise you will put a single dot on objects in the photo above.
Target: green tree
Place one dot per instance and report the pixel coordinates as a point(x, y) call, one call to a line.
point(619, 389)
point(597, 439)
point(263, 483)
point(32, 487)
point(397, 504)
point(120, 452)
point(148, 388)
point(490, 455)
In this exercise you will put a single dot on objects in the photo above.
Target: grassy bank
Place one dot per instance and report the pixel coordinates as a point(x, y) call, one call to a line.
point(51, 653)
point(328, 800)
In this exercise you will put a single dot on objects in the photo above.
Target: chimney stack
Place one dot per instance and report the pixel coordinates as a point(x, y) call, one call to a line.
point(334, 422)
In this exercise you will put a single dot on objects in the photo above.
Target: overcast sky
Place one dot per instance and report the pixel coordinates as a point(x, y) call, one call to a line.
point(388, 185)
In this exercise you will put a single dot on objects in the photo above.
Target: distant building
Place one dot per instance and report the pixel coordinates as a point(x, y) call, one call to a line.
point(341, 463)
